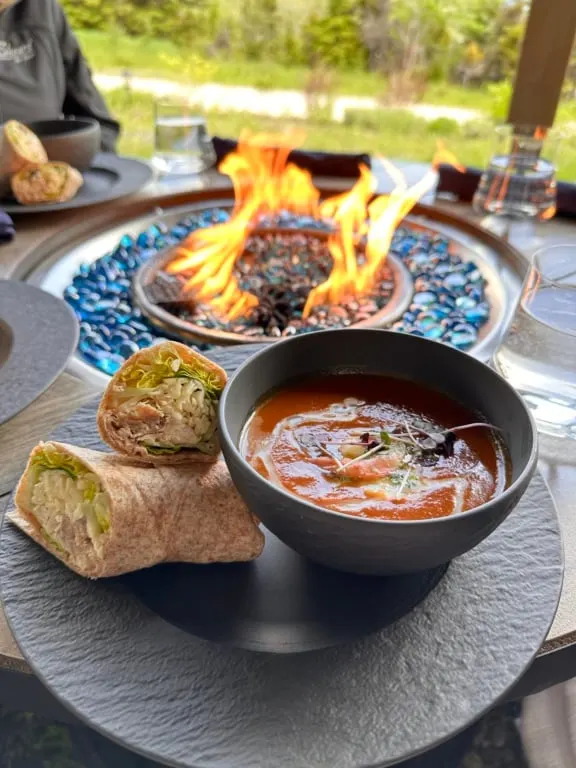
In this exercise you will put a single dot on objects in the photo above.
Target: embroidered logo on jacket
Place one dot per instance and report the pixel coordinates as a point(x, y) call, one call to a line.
point(19, 53)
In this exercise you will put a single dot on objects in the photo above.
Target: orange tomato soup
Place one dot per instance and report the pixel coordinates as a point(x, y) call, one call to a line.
point(377, 447)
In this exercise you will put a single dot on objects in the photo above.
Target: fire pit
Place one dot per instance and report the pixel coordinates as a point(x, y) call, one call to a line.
point(295, 263)
point(279, 266)
point(428, 289)
point(261, 273)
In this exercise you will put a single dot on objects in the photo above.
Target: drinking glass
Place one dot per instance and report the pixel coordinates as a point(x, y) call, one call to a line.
point(182, 144)
point(538, 352)
point(520, 180)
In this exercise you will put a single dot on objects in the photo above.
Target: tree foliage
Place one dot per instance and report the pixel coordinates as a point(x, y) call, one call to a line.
point(408, 41)
point(177, 20)
point(260, 28)
point(335, 38)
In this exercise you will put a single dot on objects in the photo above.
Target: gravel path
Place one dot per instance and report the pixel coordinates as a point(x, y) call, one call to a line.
point(236, 98)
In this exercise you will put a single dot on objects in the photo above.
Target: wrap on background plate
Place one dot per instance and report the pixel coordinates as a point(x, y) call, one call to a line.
point(19, 148)
point(161, 406)
point(104, 517)
point(47, 183)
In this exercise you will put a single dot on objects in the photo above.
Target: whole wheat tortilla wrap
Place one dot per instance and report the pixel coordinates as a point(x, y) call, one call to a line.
point(46, 183)
point(161, 406)
point(103, 517)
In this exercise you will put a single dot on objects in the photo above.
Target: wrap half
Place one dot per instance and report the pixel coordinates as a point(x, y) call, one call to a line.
point(161, 406)
point(20, 147)
point(47, 183)
point(104, 517)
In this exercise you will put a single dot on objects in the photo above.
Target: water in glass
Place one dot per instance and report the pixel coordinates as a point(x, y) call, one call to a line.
point(529, 190)
point(520, 180)
point(538, 353)
point(182, 143)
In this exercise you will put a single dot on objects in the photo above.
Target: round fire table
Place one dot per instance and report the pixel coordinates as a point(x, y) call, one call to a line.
point(451, 280)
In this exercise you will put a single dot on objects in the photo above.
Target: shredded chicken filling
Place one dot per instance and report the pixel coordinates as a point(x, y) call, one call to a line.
point(175, 414)
point(71, 511)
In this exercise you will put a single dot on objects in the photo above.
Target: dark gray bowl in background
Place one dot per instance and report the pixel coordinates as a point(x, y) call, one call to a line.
point(362, 545)
point(71, 140)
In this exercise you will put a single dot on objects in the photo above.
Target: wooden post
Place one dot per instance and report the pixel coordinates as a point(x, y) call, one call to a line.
point(545, 55)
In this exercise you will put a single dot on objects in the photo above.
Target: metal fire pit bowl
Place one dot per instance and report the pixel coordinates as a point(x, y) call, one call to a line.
point(171, 324)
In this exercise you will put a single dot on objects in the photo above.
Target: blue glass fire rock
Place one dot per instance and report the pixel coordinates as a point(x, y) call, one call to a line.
point(144, 340)
point(455, 280)
point(126, 242)
point(449, 302)
point(465, 302)
point(426, 298)
point(463, 336)
point(127, 348)
point(110, 364)
point(139, 326)
point(477, 315)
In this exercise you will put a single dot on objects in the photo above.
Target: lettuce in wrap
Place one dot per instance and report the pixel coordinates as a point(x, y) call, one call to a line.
point(161, 406)
point(103, 516)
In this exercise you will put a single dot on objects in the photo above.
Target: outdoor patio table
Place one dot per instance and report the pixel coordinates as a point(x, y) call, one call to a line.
point(19, 688)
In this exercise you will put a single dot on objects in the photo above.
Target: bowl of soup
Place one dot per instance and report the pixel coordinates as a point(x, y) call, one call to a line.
point(376, 452)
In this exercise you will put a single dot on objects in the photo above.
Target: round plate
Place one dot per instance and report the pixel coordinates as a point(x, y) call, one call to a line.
point(282, 603)
point(38, 333)
point(186, 701)
point(109, 178)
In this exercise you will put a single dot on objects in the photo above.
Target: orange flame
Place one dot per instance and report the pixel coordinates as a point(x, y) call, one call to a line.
point(266, 183)
point(385, 213)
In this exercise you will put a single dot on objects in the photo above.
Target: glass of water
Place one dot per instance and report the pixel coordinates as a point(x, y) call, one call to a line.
point(182, 144)
point(520, 180)
point(538, 353)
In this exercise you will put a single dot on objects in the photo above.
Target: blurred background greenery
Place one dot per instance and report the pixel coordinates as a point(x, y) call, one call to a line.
point(395, 133)
point(400, 53)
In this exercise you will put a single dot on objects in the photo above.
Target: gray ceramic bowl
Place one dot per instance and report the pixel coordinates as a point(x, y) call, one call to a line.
point(363, 545)
point(73, 141)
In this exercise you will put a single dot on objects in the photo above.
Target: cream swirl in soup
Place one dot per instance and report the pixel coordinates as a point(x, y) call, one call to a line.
point(377, 447)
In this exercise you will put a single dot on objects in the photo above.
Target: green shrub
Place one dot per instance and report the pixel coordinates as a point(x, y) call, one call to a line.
point(89, 14)
point(394, 119)
point(320, 116)
point(478, 129)
point(500, 95)
point(444, 126)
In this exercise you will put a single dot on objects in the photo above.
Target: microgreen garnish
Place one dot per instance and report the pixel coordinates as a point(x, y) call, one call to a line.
point(403, 483)
point(425, 443)
point(370, 452)
point(332, 456)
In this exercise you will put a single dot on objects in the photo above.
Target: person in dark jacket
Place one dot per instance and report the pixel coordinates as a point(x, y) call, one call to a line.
point(43, 74)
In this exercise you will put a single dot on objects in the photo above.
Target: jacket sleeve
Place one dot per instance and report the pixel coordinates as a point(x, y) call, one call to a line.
point(82, 97)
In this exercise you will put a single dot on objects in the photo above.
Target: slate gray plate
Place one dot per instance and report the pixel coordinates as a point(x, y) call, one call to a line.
point(186, 701)
point(38, 333)
point(282, 603)
point(109, 178)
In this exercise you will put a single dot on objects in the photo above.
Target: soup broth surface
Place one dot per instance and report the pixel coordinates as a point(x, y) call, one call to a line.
point(374, 446)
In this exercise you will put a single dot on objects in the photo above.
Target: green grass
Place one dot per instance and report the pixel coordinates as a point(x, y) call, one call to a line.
point(148, 57)
point(395, 134)
point(448, 95)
